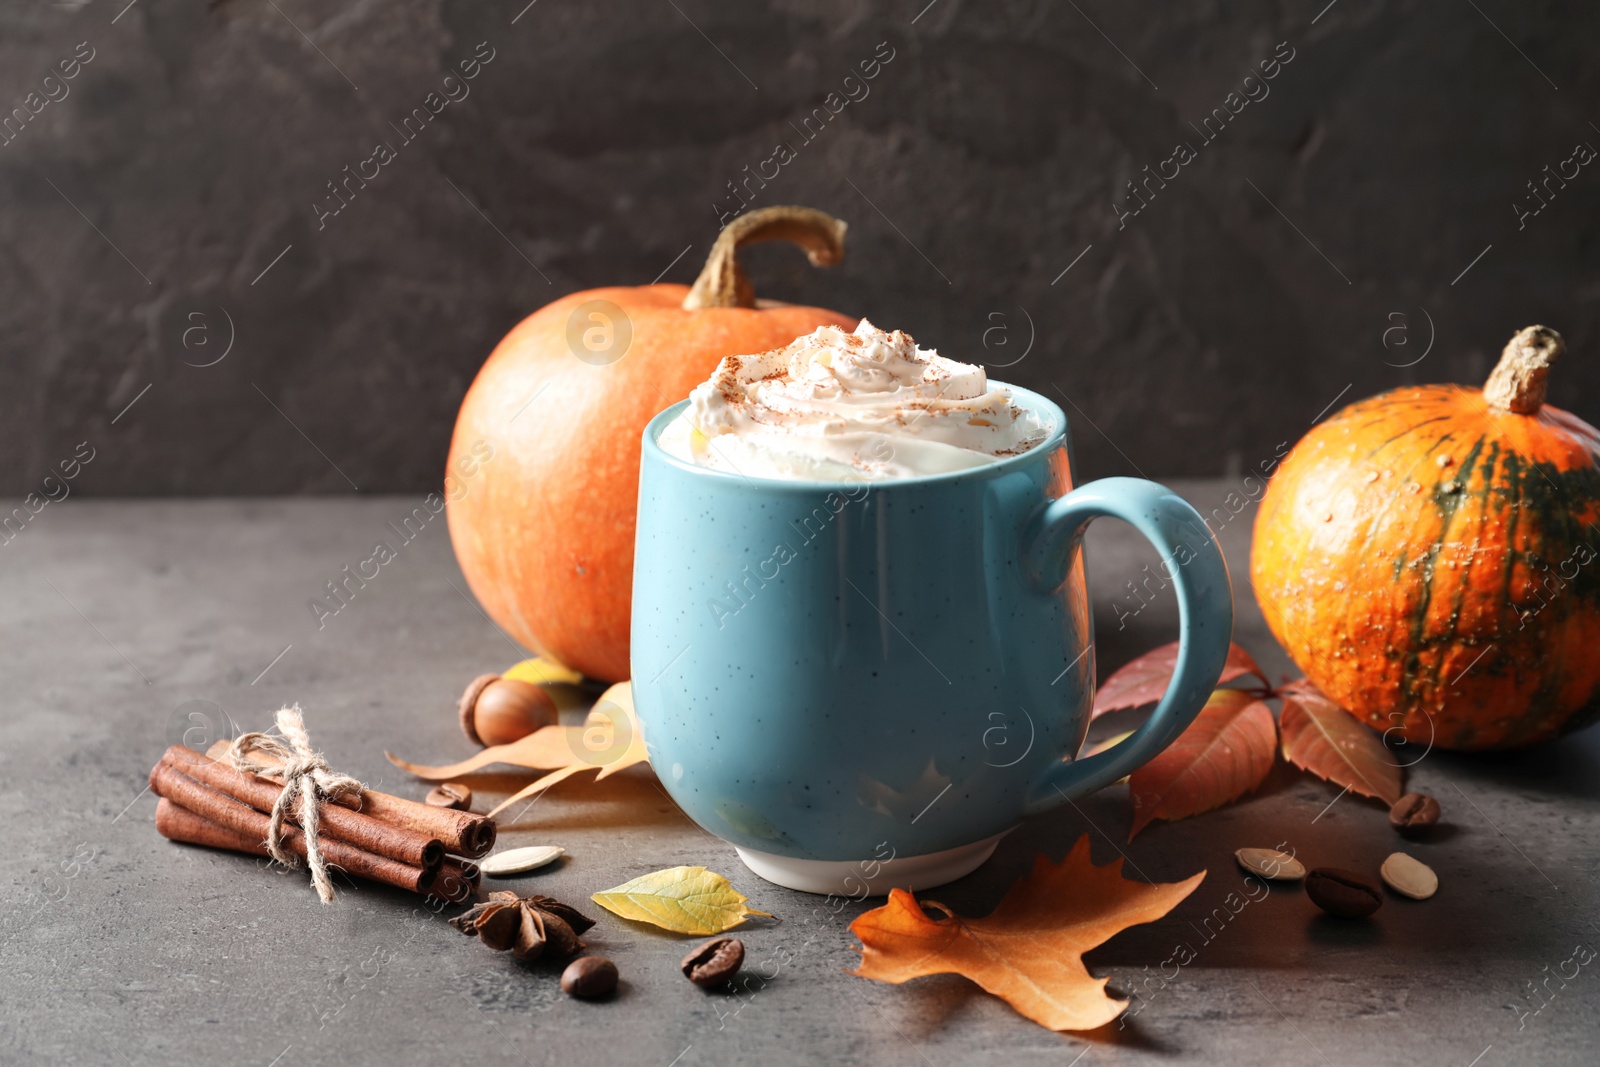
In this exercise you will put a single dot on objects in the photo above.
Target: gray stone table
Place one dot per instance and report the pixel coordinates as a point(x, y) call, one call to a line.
point(122, 948)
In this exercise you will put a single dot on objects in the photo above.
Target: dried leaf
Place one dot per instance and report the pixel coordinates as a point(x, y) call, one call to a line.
point(542, 671)
point(1226, 752)
point(540, 784)
point(1029, 951)
point(1321, 737)
point(545, 747)
point(687, 900)
point(1145, 679)
point(608, 741)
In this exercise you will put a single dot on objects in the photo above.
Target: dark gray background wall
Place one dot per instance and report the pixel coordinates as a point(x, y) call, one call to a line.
point(1373, 190)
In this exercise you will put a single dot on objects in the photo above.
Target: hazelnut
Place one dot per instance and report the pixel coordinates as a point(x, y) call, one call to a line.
point(498, 711)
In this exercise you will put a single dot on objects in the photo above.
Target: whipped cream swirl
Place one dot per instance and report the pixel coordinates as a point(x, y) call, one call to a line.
point(837, 406)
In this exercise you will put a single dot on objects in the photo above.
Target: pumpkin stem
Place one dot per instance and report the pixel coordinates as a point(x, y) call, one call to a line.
point(722, 282)
point(1518, 381)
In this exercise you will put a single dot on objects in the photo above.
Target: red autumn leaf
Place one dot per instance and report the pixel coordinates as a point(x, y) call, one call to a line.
point(1144, 680)
point(1029, 952)
point(1321, 737)
point(1226, 752)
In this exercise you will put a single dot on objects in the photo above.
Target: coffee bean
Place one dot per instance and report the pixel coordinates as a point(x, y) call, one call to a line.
point(589, 976)
point(1270, 863)
point(1414, 812)
point(714, 962)
point(1409, 877)
point(1343, 893)
point(450, 795)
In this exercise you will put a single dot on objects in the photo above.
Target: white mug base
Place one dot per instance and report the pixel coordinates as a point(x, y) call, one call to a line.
point(846, 878)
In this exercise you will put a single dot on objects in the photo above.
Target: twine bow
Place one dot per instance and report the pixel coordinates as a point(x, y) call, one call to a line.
point(306, 775)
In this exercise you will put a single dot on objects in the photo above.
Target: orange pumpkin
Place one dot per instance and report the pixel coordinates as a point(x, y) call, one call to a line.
point(543, 474)
point(1428, 557)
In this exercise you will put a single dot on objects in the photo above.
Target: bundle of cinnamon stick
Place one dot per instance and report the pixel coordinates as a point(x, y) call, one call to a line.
point(383, 838)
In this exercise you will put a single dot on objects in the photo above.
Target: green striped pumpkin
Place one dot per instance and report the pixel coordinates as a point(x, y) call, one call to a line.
point(1428, 558)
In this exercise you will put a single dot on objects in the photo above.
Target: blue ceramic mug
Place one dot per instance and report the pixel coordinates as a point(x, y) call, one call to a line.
point(865, 685)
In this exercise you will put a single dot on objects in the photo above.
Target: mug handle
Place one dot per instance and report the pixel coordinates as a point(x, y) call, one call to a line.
point(1205, 616)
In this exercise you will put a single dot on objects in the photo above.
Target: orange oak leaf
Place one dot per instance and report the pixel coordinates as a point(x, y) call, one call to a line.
point(1321, 737)
point(608, 741)
point(1144, 680)
point(1226, 752)
point(1029, 951)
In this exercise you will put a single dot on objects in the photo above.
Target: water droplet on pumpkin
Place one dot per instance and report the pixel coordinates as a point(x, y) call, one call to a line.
point(1372, 476)
point(1445, 461)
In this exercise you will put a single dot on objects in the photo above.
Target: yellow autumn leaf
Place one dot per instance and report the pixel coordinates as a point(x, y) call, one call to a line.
point(541, 671)
point(686, 900)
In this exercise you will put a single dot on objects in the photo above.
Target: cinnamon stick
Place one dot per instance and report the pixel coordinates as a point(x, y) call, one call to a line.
point(364, 831)
point(177, 823)
point(241, 820)
point(461, 832)
point(456, 881)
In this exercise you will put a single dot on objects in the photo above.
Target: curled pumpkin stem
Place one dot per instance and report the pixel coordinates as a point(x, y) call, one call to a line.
point(722, 282)
point(1518, 381)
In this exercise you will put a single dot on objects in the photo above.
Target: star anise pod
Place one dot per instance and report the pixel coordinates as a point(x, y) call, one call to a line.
point(525, 925)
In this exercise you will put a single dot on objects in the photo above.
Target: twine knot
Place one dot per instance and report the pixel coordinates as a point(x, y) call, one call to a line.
point(306, 776)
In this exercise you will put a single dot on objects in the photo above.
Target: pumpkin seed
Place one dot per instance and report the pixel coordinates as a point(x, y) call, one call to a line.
point(1409, 877)
point(1270, 863)
point(518, 860)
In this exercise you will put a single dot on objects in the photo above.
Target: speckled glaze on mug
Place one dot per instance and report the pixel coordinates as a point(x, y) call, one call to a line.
point(867, 684)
